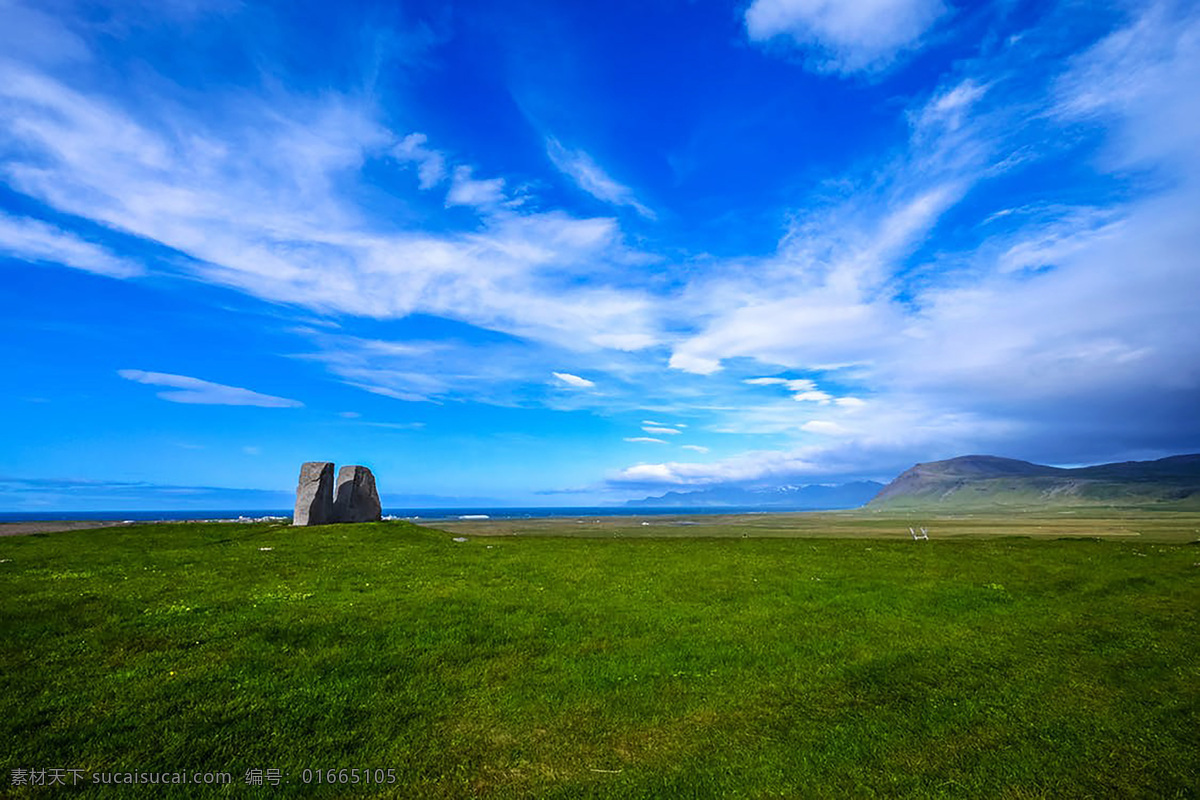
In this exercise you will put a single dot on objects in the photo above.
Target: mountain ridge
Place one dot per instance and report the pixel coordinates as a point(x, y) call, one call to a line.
point(982, 481)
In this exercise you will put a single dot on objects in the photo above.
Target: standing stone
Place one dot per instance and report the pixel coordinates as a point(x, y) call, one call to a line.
point(357, 500)
point(314, 494)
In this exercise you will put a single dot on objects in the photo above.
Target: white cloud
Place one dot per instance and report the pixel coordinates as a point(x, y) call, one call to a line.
point(648, 473)
point(698, 448)
point(253, 193)
point(698, 365)
point(467, 191)
point(826, 297)
point(587, 174)
point(624, 341)
point(574, 381)
point(824, 427)
point(395, 394)
point(947, 111)
point(349, 414)
point(792, 384)
point(1087, 309)
point(848, 35)
point(1052, 243)
point(881, 446)
point(482, 368)
point(32, 240)
point(389, 369)
point(803, 388)
point(750, 467)
point(33, 34)
point(1135, 79)
point(661, 431)
point(431, 164)
point(645, 439)
point(194, 390)
point(1030, 342)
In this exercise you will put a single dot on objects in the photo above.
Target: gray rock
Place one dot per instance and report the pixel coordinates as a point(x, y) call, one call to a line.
point(314, 494)
point(357, 499)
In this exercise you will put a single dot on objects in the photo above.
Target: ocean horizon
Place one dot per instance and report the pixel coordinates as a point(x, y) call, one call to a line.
point(412, 514)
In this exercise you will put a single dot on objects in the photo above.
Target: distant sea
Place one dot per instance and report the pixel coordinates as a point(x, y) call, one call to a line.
point(414, 514)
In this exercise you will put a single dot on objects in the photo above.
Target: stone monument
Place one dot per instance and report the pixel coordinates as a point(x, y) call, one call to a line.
point(357, 499)
point(314, 494)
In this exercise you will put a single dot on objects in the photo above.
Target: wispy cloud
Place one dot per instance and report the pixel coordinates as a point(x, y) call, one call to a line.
point(792, 384)
point(1005, 264)
point(587, 175)
point(32, 34)
point(661, 431)
point(803, 389)
point(824, 427)
point(1048, 300)
point(827, 293)
point(845, 36)
point(253, 194)
point(397, 426)
point(388, 369)
point(477, 367)
point(881, 446)
point(194, 390)
point(33, 240)
point(431, 165)
point(466, 190)
point(574, 381)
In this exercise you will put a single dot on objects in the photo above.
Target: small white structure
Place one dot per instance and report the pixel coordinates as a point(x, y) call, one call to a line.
point(924, 534)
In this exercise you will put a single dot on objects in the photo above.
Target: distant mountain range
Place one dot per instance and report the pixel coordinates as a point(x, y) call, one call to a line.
point(973, 482)
point(796, 498)
point(985, 482)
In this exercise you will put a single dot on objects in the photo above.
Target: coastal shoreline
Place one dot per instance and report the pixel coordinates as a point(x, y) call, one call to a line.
point(55, 526)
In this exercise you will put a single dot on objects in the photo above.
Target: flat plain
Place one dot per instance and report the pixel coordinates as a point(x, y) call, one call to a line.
point(806, 655)
point(1102, 523)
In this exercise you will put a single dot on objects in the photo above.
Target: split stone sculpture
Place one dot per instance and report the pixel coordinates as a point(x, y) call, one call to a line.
point(314, 494)
point(357, 499)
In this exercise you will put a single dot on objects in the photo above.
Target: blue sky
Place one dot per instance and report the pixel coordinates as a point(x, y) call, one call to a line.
point(572, 253)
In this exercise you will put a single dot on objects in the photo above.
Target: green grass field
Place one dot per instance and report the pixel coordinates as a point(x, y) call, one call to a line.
point(752, 658)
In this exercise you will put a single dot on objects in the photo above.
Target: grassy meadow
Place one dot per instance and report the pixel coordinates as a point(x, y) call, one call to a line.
point(820, 655)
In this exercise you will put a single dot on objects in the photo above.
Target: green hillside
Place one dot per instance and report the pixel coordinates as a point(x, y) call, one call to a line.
point(990, 482)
